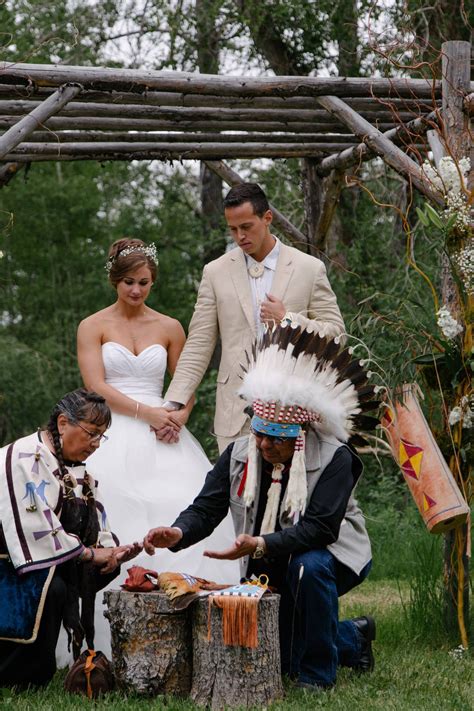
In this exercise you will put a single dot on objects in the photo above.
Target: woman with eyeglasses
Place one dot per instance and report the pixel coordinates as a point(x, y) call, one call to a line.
point(55, 543)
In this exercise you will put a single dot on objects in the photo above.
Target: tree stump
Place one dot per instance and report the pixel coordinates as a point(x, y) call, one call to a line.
point(236, 676)
point(151, 643)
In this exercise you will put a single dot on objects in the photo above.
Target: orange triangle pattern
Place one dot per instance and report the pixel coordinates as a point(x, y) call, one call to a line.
point(410, 457)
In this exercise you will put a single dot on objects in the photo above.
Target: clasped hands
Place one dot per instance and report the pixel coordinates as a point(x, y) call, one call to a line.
point(167, 537)
point(166, 424)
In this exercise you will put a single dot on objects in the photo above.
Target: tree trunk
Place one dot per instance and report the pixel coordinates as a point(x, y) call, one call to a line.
point(226, 676)
point(151, 643)
point(457, 138)
point(212, 206)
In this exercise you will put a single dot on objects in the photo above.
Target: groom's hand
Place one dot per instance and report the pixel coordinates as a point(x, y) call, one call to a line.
point(161, 537)
point(272, 310)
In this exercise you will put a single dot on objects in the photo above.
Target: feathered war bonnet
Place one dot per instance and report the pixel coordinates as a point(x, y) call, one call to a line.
point(293, 377)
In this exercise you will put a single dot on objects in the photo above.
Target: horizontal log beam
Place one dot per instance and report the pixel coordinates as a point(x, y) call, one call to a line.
point(153, 137)
point(281, 222)
point(132, 111)
point(136, 80)
point(163, 98)
point(100, 123)
point(408, 133)
point(50, 106)
point(194, 151)
point(382, 146)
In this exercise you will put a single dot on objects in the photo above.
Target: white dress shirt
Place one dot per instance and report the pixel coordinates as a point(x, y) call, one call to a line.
point(261, 286)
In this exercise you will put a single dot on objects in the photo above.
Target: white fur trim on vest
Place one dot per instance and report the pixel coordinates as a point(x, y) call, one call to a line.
point(251, 481)
point(273, 501)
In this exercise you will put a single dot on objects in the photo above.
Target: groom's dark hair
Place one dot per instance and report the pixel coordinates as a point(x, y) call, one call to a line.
point(247, 192)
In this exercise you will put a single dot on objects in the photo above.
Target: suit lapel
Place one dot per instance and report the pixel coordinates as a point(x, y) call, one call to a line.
point(238, 271)
point(283, 272)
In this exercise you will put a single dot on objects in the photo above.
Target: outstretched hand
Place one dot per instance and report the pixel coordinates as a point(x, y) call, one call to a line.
point(109, 558)
point(243, 545)
point(161, 537)
point(127, 552)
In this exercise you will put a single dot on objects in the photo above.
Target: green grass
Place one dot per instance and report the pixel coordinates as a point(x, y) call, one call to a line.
point(411, 673)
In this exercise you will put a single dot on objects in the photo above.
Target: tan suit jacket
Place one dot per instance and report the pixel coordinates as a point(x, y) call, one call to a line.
point(224, 308)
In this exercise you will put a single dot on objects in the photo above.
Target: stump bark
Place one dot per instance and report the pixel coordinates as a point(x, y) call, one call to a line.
point(151, 643)
point(225, 676)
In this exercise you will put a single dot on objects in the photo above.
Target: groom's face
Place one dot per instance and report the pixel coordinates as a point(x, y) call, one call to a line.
point(249, 231)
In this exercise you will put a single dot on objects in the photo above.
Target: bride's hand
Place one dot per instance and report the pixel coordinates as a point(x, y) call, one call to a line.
point(166, 434)
point(158, 417)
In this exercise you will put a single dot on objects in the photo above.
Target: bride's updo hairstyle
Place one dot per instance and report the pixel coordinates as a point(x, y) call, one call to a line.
point(127, 255)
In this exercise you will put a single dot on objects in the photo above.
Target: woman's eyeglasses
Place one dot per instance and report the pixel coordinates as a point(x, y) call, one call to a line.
point(272, 438)
point(94, 436)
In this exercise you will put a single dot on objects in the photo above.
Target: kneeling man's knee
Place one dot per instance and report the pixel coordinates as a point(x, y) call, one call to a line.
point(315, 564)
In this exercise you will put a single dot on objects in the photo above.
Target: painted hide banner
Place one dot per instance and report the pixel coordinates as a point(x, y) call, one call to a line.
point(424, 468)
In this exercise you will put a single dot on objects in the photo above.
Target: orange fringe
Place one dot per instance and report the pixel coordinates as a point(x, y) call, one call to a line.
point(239, 620)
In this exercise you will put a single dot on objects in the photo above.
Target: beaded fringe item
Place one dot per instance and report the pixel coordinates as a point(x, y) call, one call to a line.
point(239, 619)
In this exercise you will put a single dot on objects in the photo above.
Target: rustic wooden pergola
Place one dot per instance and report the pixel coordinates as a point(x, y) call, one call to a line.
point(66, 113)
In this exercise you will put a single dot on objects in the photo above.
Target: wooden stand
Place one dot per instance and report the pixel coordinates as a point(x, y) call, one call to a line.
point(151, 643)
point(225, 676)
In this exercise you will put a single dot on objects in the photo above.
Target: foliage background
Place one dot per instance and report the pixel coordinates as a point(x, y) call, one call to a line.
point(57, 220)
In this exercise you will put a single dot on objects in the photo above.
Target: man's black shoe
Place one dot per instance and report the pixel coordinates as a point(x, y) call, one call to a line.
point(366, 628)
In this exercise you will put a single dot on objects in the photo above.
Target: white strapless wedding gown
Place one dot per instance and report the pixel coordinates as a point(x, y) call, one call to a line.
point(146, 483)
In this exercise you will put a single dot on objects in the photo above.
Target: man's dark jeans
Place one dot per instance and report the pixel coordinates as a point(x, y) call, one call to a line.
point(313, 641)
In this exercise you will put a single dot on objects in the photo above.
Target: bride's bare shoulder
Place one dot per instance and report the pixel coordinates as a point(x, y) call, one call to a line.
point(96, 320)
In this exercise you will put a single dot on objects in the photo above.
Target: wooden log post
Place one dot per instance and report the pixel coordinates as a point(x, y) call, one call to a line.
point(312, 197)
point(236, 677)
point(332, 188)
point(8, 171)
point(151, 643)
point(457, 139)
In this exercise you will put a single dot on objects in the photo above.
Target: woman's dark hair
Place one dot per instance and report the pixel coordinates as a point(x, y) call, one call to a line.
point(86, 406)
point(248, 192)
point(123, 265)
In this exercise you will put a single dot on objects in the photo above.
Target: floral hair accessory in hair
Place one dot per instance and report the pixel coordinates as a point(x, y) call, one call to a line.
point(148, 250)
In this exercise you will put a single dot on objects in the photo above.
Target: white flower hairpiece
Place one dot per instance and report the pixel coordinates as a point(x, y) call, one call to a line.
point(149, 251)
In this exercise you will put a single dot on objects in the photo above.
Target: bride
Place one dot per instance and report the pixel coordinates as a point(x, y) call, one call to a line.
point(151, 467)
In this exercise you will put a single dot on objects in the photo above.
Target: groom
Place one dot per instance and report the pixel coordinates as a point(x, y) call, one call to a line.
point(262, 281)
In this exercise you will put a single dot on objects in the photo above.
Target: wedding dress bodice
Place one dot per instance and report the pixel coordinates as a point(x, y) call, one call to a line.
point(139, 375)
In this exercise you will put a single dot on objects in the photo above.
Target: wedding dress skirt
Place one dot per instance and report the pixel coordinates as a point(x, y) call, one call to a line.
point(145, 483)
